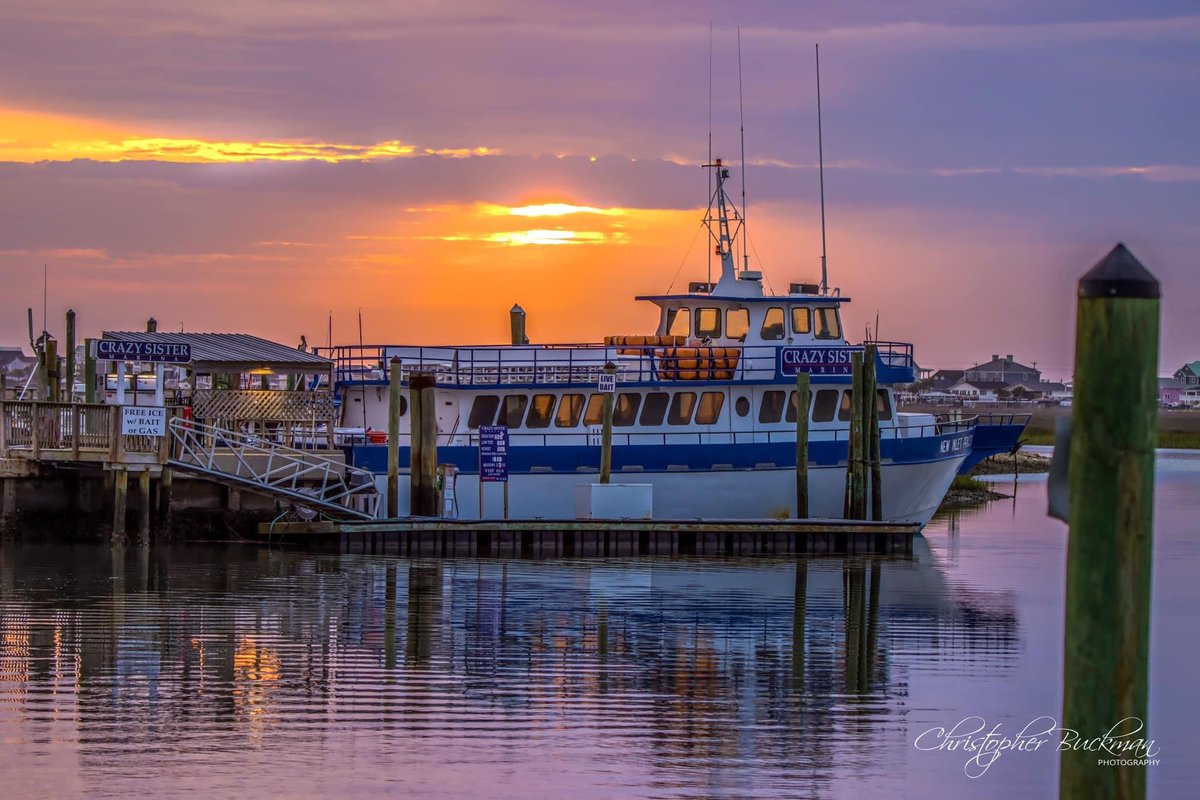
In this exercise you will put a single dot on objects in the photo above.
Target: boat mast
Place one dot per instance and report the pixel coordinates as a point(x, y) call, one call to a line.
point(821, 172)
point(725, 234)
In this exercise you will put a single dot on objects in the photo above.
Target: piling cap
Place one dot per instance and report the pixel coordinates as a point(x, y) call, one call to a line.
point(1119, 274)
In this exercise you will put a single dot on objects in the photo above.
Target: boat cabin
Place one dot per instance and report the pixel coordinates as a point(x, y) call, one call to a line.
point(771, 320)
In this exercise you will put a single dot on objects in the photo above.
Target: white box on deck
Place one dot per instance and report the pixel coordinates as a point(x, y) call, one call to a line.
point(614, 501)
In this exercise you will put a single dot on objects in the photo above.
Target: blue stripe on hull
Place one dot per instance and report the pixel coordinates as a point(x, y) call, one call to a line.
point(991, 440)
point(662, 458)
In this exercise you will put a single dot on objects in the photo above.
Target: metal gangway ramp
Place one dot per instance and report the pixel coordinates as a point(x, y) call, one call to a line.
point(307, 478)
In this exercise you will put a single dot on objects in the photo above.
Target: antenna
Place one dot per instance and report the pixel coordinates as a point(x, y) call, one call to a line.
point(330, 339)
point(742, 129)
point(29, 314)
point(45, 292)
point(821, 169)
point(710, 98)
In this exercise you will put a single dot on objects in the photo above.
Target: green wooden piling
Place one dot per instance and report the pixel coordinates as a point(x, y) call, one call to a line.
point(395, 398)
point(606, 430)
point(1111, 489)
point(52, 382)
point(423, 493)
point(803, 401)
point(70, 376)
point(855, 505)
point(89, 370)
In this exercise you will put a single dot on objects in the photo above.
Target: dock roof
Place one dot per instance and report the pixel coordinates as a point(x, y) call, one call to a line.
point(233, 352)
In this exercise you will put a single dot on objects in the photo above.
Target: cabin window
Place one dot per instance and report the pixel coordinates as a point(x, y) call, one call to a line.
point(655, 408)
point(403, 404)
point(512, 411)
point(709, 410)
point(791, 409)
point(801, 319)
point(541, 409)
point(626, 408)
point(742, 406)
point(772, 327)
point(847, 404)
point(483, 410)
point(678, 322)
point(883, 406)
point(569, 410)
point(594, 415)
point(708, 322)
point(737, 323)
point(827, 323)
point(824, 405)
point(681, 408)
point(771, 409)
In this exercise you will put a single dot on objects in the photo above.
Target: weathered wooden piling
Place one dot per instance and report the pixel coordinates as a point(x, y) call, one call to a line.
point(516, 324)
point(855, 503)
point(52, 380)
point(1111, 488)
point(70, 354)
point(870, 412)
point(423, 494)
point(803, 400)
point(606, 429)
point(120, 495)
point(89, 370)
point(395, 399)
point(166, 481)
point(145, 507)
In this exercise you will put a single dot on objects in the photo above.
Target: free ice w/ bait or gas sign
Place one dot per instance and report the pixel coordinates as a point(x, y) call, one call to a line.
point(143, 421)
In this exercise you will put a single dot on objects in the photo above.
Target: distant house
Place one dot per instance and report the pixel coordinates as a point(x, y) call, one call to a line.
point(1002, 370)
point(1040, 390)
point(16, 365)
point(1170, 391)
point(1189, 374)
point(943, 379)
point(981, 391)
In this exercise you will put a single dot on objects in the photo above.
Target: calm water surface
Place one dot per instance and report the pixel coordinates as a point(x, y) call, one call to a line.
point(227, 672)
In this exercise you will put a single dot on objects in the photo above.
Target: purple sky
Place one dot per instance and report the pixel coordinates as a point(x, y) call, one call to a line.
point(980, 157)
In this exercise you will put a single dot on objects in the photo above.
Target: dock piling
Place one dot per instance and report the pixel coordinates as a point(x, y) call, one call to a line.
point(146, 505)
point(393, 475)
point(70, 354)
point(606, 430)
point(803, 400)
point(870, 450)
point(855, 504)
point(1111, 489)
point(89, 371)
point(423, 495)
point(120, 494)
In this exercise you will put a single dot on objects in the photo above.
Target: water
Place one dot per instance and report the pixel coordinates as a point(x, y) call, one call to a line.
point(233, 672)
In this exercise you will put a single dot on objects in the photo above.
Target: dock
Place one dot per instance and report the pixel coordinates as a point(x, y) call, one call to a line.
point(541, 538)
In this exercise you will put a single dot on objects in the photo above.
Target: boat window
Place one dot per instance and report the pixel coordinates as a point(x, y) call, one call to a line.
point(483, 410)
point(569, 410)
point(595, 410)
point(678, 322)
point(708, 322)
point(772, 402)
point(801, 319)
point(827, 323)
point(655, 408)
point(709, 409)
point(681, 408)
point(824, 405)
point(772, 327)
point(883, 406)
point(847, 404)
point(512, 411)
point(626, 408)
point(541, 409)
point(791, 409)
point(742, 406)
point(737, 323)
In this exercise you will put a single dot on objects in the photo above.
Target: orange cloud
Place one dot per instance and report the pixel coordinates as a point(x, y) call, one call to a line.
point(33, 136)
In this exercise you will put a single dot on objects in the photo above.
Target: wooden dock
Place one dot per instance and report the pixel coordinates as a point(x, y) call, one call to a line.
point(540, 538)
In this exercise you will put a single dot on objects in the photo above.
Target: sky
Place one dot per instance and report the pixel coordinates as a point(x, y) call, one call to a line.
point(264, 166)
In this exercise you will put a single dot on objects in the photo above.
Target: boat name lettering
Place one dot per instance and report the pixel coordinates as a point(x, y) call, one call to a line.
point(957, 443)
point(816, 360)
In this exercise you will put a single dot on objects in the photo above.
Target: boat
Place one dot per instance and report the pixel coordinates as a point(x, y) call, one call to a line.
point(704, 410)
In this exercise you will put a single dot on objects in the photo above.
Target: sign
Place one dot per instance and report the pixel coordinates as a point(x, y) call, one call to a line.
point(153, 352)
point(493, 454)
point(608, 383)
point(816, 360)
point(143, 421)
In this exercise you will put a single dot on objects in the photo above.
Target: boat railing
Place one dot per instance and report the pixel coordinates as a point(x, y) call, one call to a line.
point(1004, 419)
point(580, 364)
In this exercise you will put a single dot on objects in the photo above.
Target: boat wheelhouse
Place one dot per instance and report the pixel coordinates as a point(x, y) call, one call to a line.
point(704, 410)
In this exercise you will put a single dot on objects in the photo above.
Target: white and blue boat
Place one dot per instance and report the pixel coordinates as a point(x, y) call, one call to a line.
point(704, 411)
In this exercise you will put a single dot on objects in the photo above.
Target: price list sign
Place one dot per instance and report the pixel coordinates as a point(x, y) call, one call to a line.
point(493, 454)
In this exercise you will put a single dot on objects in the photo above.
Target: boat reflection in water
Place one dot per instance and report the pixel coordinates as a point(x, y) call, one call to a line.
point(219, 669)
